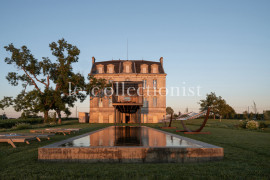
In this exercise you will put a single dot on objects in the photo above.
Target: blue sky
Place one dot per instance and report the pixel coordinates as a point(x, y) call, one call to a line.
point(222, 46)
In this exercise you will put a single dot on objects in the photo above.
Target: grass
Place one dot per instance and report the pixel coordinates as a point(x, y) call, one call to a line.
point(247, 156)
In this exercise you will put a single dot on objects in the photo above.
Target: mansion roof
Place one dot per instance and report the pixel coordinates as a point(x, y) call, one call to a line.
point(135, 65)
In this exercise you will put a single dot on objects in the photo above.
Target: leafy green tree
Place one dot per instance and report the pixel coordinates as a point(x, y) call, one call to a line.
point(170, 111)
point(245, 114)
point(224, 109)
point(211, 101)
point(50, 80)
point(3, 116)
point(218, 106)
point(67, 112)
point(266, 115)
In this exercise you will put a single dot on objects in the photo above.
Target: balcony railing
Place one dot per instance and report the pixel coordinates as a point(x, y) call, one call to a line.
point(130, 92)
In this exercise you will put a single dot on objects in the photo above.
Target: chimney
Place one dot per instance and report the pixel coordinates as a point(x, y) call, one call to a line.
point(93, 60)
point(161, 61)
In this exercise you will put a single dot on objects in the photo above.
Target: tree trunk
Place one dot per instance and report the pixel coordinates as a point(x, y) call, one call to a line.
point(171, 121)
point(59, 117)
point(214, 117)
point(219, 118)
point(46, 114)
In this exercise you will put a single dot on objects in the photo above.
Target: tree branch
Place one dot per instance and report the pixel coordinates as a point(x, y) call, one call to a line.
point(32, 81)
point(48, 81)
point(39, 80)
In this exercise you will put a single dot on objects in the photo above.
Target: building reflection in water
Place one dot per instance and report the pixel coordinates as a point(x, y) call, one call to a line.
point(129, 136)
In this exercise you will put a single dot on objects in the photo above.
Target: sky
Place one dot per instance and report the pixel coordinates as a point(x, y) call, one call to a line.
point(221, 46)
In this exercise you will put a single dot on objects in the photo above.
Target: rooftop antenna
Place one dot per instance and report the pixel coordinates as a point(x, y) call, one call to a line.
point(127, 49)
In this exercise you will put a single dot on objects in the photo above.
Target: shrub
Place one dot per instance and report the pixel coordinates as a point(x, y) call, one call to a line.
point(266, 115)
point(252, 125)
point(19, 126)
point(52, 117)
point(242, 124)
point(8, 123)
point(263, 125)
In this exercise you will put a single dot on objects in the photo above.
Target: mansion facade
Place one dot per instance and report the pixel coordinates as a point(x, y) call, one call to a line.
point(141, 92)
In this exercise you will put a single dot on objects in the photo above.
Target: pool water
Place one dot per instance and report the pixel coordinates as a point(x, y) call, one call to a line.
point(129, 136)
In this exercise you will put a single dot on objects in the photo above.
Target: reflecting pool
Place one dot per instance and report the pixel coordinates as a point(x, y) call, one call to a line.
point(129, 136)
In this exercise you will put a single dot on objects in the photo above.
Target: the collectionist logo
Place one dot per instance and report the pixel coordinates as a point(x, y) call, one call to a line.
point(138, 91)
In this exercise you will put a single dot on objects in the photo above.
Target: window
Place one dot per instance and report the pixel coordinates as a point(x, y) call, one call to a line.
point(155, 83)
point(100, 70)
point(144, 84)
point(154, 68)
point(144, 70)
point(154, 101)
point(110, 70)
point(110, 102)
point(145, 104)
point(100, 102)
point(127, 69)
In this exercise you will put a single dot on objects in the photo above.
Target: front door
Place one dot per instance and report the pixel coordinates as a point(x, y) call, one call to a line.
point(127, 118)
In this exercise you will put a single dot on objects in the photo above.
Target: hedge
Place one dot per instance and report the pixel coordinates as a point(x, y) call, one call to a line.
point(9, 123)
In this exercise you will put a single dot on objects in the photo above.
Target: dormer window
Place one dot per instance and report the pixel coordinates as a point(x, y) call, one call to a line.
point(110, 68)
point(127, 67)
point(154, 68)
point(144, 68)
point(100, 68)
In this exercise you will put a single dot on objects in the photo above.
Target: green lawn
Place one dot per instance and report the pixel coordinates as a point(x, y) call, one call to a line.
point(247, 156)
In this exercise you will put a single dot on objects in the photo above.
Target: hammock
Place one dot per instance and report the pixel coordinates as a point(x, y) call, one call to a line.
point(191, 115)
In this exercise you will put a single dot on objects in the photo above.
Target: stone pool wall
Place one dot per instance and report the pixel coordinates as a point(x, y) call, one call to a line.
point(131, 154)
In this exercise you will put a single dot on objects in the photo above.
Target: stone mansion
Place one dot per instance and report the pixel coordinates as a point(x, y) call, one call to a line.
point(146, 77)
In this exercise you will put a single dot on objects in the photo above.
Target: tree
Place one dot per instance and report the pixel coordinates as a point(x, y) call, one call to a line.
point(3, 116)
point(50, 80)
point(67, 112)
point(245, 114)
point(170, 111)
point(266, 115)
point(218, 106)
point(224, 109)
point(254, 107)
point(211, 102)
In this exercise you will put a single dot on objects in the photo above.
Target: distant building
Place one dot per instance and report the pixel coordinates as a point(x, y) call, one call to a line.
point(139, 92)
